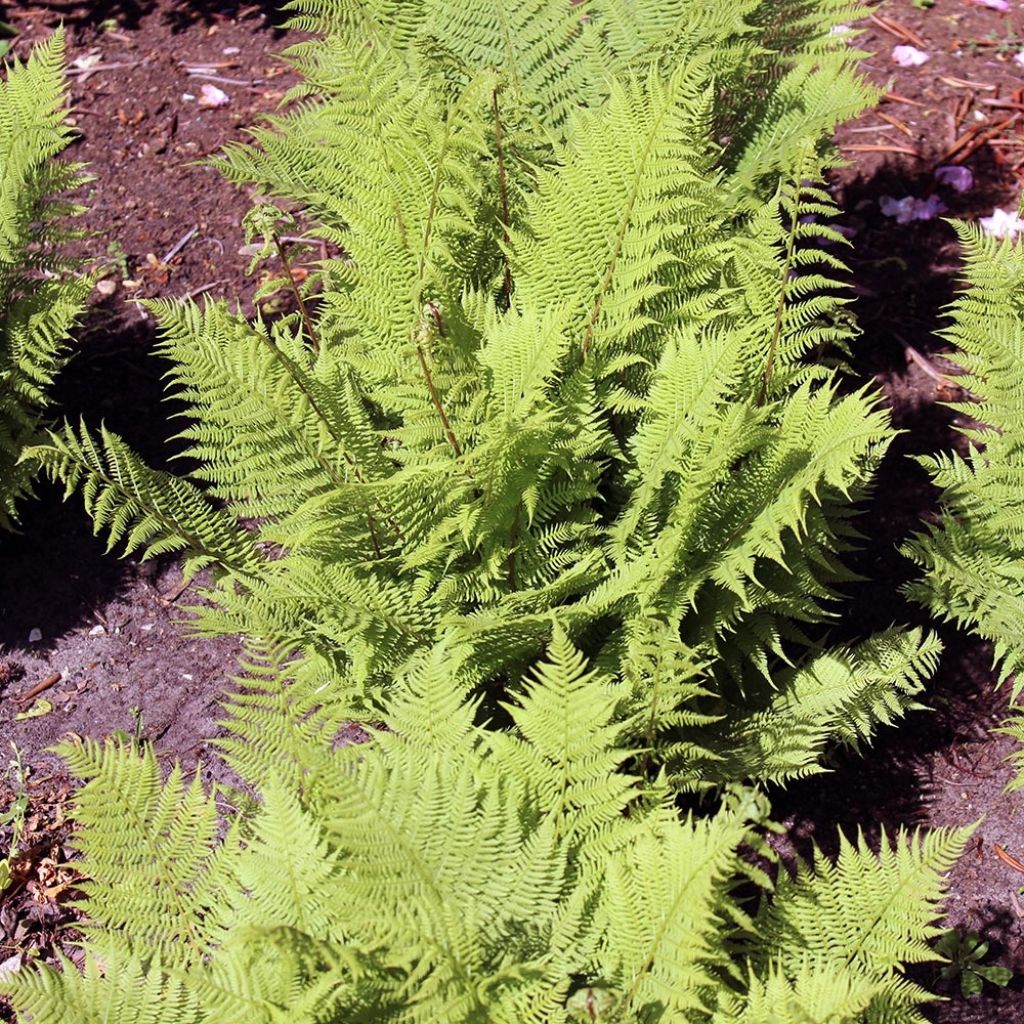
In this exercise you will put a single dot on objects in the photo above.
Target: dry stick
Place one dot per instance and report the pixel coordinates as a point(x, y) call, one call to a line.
point(204, 288)
point(1007, 858)
point(973, 145)
point(180, 244)
point(895, 97)
point(84, 74)
point(899, 125)
point(254, 83)
point(858, 148)
point(38, 688)
point(966, 83)
point(506, 286)
point(303, 311)
point(174, 593)
point(898, 30)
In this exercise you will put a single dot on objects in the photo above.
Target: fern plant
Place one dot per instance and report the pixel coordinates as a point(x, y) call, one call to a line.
point(450, 872)
point(973, 555)
point(572, 364)
point(39, 300)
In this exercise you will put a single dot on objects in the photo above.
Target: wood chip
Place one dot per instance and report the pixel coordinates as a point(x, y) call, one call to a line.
point(899, 125)
point(1007, 859)
point(963, 83)
point(869, 148)
point(898, 30)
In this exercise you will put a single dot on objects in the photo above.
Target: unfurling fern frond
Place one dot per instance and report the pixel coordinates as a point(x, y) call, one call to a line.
point(39, 299)
point(468, 876)
point(567, 371)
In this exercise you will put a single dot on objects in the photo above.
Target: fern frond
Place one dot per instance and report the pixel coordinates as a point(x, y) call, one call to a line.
point(39, 299)
point(141, 508)
point(973, 556)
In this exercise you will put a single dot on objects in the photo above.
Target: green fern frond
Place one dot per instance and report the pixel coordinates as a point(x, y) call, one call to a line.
point(141, 508)
point(973, 556)
point(39, 299)
point(415, 882)
point(863, 916)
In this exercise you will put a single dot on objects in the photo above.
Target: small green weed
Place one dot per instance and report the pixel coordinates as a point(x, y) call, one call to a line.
point(965, 951)
point(14, 816)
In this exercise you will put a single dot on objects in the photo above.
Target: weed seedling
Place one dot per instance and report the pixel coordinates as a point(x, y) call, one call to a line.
point(14, 816)
point(965, 951)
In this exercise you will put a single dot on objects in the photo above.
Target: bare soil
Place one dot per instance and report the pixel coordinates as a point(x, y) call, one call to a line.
point(111, 631)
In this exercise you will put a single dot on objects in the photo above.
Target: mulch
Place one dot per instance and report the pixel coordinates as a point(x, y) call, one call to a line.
point(106, 636)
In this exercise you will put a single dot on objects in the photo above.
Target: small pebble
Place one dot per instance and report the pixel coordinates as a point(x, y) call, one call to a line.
point(35, 635)
point(97, 631)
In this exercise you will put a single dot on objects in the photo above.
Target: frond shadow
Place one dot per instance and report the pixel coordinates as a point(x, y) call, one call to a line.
point(903, 276)
point(55, 573)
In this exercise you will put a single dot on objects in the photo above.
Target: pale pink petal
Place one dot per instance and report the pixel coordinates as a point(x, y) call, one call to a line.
point(992, 5)
point(910, 208)
point(960, 179)
point(909, 56)
point(211, 96)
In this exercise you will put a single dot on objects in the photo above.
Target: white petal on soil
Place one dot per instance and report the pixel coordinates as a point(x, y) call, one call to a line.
point(9, 966)
point(210, 96)
point(909, 56)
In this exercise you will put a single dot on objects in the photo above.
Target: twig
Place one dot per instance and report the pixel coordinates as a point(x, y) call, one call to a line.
point(247, 83)
point(172, 595)
point(870, 148)
point(211, 66)
point(84, 74)
point(204, 288)
point(39, 688)
point(895, 97)
point(1007, 859)
point(927, 366)
point(966, 83)
point(973, 145)
point(1003, 104)
point(899, 125)
point(898, 30)
point(180, 244)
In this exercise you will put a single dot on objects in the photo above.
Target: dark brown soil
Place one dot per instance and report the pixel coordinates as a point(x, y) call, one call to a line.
point(124, 657)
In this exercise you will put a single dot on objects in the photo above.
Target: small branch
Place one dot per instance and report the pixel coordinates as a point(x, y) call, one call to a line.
point(174, 593)
point(39, 688)
point(303, 310)
point(180, 244)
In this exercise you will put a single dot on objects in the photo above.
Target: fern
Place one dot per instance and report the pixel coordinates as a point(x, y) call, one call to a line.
point(973, 556)
point(562, 374)
point(39, 301)
point(446, 871)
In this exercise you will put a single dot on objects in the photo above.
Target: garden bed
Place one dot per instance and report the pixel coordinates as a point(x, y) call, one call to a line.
point(90, 645)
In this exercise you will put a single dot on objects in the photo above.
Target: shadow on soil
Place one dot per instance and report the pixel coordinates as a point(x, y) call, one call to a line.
point(905, 275)
point(55, 573)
